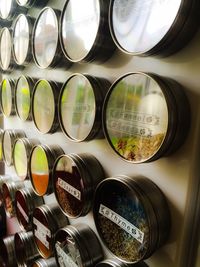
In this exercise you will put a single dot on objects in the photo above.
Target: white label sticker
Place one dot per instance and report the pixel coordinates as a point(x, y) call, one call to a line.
point(70, 189)
point(23, 213)
point(64, 259)
point(42, 232)
point(122, 223)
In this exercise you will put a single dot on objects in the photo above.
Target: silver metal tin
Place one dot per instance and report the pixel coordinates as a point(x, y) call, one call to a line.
point(32, 3)
point(77, 245)
point(145, 117)
point(8, 9)
point(75, 177)
point(7, 97)
point(51, 262)
point(132, 211)
point(47, 219)
point(117, 263)
point(6, 57)
point(44, 106)
point(7, 251)
point(135, 30)
point(80, 107)
point(85, 35)
point(3, 179)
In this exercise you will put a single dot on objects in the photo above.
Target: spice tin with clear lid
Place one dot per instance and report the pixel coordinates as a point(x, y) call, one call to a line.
point(7, 97)
point(47, 52)
point(23, 93)
point(21, 153)
point(25, 248)
point(25, 203)
point(134, 27)
point(116, 263)
point(44, 106)
point(75, 177)
point(6, 57)
point(80, 106)
point(41, 163)
point(8, 140)
point(85, 35)
point(51, 262)
point(8, 9)
point(32, 3)
point(3, 179)
point(8, 191)
point(131, 211)
point(145, 117)
point(47, 219)
point(7, 251)
point(77, 245)
point(22, 33)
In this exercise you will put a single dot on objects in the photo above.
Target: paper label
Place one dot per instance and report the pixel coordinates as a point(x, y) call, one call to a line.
point(42, 232)
point(70, 189)
point(64, 259)
point(23, 213)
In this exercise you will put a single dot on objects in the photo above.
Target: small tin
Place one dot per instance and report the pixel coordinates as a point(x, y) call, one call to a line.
point(8, 191)
point(7, 251)
point(21, 153)
point(77, 245)
point(3, 179)
point(25, 203)
point(145, 117)
point(21, 35)
point(7, 97)
point(8, 9)
point(8, 140)
point(23, 93)
point(80, 107)
point(116, 263)
point(135, 30)
point(41, 163)
point(131, 211)
point(85, 35)
point(75, 177)
point(32, 3)
point(51, 262)
point(47, 52)
point(47, 219)
point(25, 248)
point(44, 106)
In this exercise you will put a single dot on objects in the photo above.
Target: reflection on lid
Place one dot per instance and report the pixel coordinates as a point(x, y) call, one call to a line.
point(5, 48)
point(5, 8)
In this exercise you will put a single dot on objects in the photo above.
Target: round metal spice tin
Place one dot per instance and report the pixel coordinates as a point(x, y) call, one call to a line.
point(80, 107)
point(25, 248)
point(116, 263)
point(46, 46)
point(145, 117)
point(47, 219)
point(23, 93)
point(131, 216)
point(77, 245)
point(75, 177)
point(25, 203)
point(8, 191)
point(44, 106)
point(21, 153)
point(85, 35)
point(135, 30)
point(22, 33)
point(6, 58)
point(41, 163)
point(8, 9)
point(8, 140)
point(31, 3)
point(3, 179)
point(7, 251)
point(51, 262)
point(7, 97)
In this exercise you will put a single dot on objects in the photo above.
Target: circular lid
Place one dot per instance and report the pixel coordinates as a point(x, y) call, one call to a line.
point(134, 24)
point(45, 37)
point(136, 117)
point(121, 218)
point(7, 147)
point(77, 108)
point(42, 231)
point(39, 170)
point(5, 8)
point(79, 28)
point(22, 209)
point(43, 106)
point(20, 158)
point(8, 201)
point(7, 97)
point(21, 41)
point(5, 48)
point(23, 98)
point(69, 186)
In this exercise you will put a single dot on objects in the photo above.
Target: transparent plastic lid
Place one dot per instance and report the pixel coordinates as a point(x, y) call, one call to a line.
point(5, 48)
point(5, 8)
point(20, 159)
point(6, 97)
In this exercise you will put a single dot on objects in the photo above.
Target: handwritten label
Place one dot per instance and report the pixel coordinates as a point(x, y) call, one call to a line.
point(70, 189)
point(64, 259)
point(42, 232)
point(23, 213)
point(122, 223)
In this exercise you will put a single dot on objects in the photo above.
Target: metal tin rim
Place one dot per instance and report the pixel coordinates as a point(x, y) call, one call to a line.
point(10, 66)
point(12, 85)
point(12, 136)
